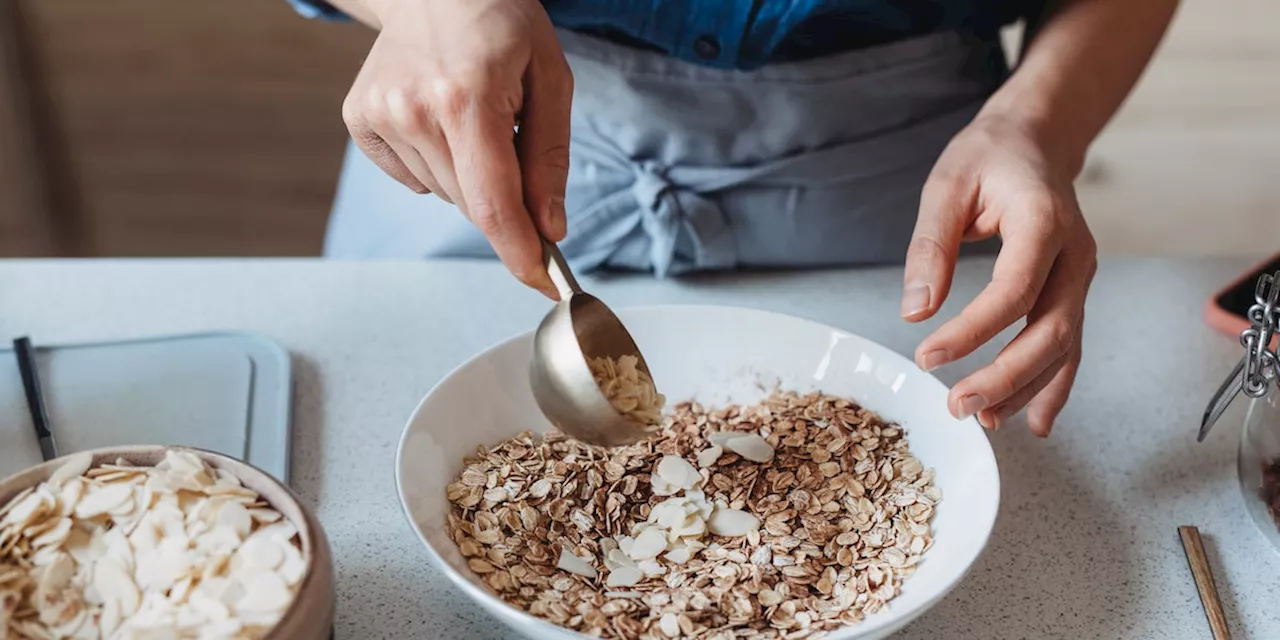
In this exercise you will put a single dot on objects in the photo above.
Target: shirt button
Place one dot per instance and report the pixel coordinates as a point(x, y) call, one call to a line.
point(707, 48)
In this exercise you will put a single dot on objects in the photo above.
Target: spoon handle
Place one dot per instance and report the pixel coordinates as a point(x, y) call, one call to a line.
point(558, 269)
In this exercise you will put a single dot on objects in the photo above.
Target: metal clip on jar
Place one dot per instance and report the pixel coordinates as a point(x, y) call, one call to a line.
point(1257, 376)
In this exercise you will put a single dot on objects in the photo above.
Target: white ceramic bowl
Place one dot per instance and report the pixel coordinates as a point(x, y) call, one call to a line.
point(714, 355)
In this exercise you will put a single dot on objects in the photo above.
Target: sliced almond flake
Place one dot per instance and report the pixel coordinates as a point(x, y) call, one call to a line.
point(235, 517)
point(74, 467)
point(624, 577)
point(98, 500)
point(183, 462)
point(648, 545)
point(669, 624)
point(718, 438)
point(282, 529)
point(575, 565)
point(265, 515)
point(750, 446)
point(294, 567)
point(661, 487)
point(679, 555)
point(678, 472)
point(732, 522)
point(261, 553)
point(650, 567)
point(212, 609)
point(708, 457)
point(25, 511)
point(264, 591)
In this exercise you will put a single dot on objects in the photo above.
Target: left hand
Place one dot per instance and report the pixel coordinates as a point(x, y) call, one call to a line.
point(1001, 176)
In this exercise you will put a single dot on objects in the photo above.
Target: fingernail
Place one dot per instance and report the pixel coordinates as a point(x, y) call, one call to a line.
point(554, 219)
point(551, 292)
point(934, 359)
point(989, 420)
point(915, 299)
point(972, 404)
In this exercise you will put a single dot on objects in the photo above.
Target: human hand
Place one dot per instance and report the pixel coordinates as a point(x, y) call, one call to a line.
point(436, 103)
point(1001, 176)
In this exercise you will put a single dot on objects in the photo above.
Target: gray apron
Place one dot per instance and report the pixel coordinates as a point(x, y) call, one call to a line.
point(677, 167)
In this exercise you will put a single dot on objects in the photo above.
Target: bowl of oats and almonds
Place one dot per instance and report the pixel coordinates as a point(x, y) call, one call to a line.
point(145, 542)
point(800, 481)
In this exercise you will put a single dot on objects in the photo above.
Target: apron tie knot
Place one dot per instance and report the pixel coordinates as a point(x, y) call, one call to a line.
point(660, 210)
point(654, 222)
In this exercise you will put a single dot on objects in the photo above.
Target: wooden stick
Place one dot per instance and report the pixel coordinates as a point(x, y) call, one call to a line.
point(1199, 562)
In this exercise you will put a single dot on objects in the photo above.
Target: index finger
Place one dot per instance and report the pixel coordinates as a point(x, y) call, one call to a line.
point(484, 157)
point(1020, 272)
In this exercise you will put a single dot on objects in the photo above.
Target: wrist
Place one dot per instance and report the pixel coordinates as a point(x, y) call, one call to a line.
point(1045, 120)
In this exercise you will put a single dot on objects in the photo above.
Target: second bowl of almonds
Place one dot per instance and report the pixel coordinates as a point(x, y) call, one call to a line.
point(798, 481)
point(159, 542)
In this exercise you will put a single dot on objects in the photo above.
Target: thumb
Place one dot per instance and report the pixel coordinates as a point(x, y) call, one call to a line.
point(543, 140)
point(946, 206)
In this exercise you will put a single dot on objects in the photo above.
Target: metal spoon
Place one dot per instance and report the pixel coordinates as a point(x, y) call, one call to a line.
point(579, 328)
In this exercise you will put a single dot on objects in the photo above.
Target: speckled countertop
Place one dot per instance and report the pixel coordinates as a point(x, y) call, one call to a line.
point(1086, 543)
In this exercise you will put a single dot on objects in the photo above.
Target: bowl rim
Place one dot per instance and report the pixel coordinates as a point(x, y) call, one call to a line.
point(482, 596)
point(309, 530)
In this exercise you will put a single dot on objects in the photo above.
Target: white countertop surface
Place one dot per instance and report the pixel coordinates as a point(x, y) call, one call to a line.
point(1085, 545)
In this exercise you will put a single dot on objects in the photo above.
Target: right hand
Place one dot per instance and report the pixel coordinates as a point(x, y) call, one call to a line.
point(436, 104)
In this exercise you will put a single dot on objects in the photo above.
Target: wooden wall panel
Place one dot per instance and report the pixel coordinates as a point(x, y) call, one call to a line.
point(199, 128)
point(26, 216)
point(1191, 164)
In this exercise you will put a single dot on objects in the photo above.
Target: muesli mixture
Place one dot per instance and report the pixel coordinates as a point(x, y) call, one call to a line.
point(629, 389)
point(787, 518)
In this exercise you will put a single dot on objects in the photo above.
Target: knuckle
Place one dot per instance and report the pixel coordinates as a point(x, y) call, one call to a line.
point(560, 79)
point(451, 96)
point(1003, 382)
point(485, 218)
point(556, 157)
point(928, 248)
point(943, 183)
point(1024, 298)
point(1048, 212)
point(375, 110)
point(406, 111)
point(351, 115)
point(1061, 335)
point(1089, 252)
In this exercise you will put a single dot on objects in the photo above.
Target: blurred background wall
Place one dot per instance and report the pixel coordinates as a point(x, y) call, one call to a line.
point(162, 128)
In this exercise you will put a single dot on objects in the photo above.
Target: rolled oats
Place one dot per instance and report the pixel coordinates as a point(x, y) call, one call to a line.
point(629, 389)
point(803, 513)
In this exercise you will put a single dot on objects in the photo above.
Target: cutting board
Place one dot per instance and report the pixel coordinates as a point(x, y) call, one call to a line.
point(225, 392)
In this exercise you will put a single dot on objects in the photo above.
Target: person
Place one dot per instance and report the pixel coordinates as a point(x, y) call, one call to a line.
point(686, 135)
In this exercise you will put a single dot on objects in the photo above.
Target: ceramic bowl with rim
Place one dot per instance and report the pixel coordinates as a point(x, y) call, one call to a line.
point(310, 616)
point(714, 355)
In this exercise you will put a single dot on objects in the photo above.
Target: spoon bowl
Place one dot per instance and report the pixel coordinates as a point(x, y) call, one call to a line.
point(580, 328)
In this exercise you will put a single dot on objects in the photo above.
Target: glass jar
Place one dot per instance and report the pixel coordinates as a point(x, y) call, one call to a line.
point(1259, 462)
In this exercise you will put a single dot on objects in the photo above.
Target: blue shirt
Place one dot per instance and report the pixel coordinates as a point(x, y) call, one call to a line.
point(745, 34)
